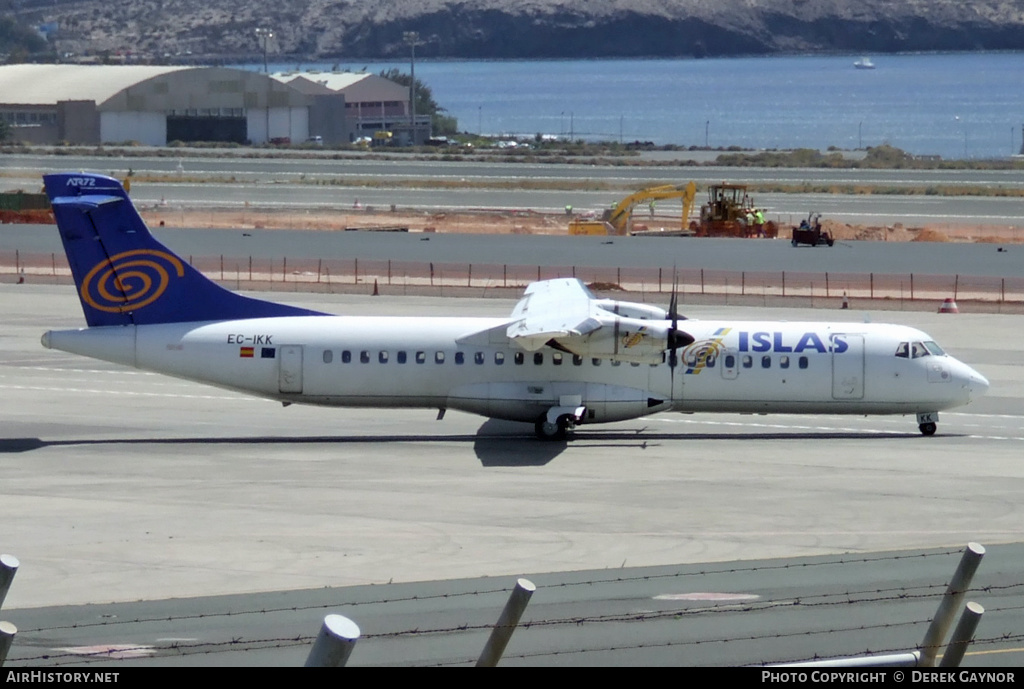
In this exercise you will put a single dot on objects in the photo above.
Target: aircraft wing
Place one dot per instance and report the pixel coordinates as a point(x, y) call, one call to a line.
point(564, 314)
point(552, 309)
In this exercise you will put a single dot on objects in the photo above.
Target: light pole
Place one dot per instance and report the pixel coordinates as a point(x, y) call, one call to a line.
point(411, 37)
point(264, 35)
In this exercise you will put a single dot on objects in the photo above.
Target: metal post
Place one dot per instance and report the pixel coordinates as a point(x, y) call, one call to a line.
point(334, 643)
point(411, 37)
point(502, 631)
point(962, 635)
point(7, 632)
point(8, 568)
point(954, 596)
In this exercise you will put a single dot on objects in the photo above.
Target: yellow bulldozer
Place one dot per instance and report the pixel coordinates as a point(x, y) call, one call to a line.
point(730, 212)
point(618, 220)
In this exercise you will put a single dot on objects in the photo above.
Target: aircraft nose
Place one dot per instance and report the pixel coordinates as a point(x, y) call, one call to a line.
point(977, 384)
point(973, 383)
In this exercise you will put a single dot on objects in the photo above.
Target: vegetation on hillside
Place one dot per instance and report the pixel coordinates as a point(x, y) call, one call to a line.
point(18, 43)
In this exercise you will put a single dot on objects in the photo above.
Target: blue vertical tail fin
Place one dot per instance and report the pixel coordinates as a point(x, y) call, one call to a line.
point(123, 274)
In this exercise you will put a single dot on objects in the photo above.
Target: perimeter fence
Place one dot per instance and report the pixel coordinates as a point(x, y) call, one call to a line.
point(424, 277)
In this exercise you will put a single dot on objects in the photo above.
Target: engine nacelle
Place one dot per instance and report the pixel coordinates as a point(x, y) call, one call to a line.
point(628, 339)
point(628, 309)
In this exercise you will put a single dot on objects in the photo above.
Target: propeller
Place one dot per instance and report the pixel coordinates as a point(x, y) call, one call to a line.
point(676, 337)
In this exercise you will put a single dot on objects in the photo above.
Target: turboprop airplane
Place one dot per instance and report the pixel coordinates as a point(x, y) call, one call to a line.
point(561, 359)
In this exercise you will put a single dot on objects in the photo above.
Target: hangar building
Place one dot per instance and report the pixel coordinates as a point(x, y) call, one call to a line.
point(372, 103)
point(152, 105)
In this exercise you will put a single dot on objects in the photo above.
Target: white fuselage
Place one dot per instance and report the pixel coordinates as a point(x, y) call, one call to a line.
point(470, 364)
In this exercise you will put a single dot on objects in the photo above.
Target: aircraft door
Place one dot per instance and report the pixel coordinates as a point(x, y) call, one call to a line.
point(289, 373)
point(847, 367)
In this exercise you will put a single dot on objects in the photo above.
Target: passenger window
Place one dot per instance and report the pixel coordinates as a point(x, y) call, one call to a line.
point(421, 357)
point(460, 358)
point(364, 357)
point(903, 350)
point(346, 357)
point(519, 358)
point(616, 362)
point(382, 356)
point(730, 361)
point(766, 362)
point(595, 361)
point(401, 357)
point(438, 357)
point(538, 358)
point(783, 361)
point(499, 358)
point(556, 359)
point(710, 361)
point(328, 356)
point(577, 360)
point(478, 358)
point(803, 362)
point(748, 361)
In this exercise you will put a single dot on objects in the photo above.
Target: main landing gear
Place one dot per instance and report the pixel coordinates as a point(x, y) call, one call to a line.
point(928, 423)
point(556, 423)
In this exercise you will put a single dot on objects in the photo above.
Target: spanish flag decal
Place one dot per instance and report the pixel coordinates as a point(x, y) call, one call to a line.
point(245, 352)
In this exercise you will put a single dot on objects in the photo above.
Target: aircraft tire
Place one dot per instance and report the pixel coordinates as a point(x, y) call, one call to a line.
point(928, 428)
point(550, 431)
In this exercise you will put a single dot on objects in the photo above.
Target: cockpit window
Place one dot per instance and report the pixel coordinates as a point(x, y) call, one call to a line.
point(917, 350)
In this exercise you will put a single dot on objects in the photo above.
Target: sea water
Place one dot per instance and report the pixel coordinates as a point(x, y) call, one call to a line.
point(958, 105)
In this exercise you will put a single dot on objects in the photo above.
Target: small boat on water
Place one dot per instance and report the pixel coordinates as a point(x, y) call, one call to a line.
point(864, 63)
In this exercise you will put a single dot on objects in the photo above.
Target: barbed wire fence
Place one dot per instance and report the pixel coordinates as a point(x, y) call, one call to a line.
point(832, 606)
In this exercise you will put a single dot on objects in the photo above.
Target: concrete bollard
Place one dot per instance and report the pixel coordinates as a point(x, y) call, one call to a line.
point(8, 568)
point(506, 624)
point(954, 596)
point(962, 635)
point(7, 632)
point(334, 643)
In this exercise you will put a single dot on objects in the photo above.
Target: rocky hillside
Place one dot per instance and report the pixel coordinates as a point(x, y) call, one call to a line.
point(343, 29)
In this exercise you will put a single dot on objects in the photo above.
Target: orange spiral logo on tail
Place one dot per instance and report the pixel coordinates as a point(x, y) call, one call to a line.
point(130, 280)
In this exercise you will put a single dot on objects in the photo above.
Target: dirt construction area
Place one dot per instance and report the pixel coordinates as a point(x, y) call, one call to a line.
point(527, 222)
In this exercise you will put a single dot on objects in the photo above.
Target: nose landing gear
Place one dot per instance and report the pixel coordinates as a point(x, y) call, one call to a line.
point(928, 423)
